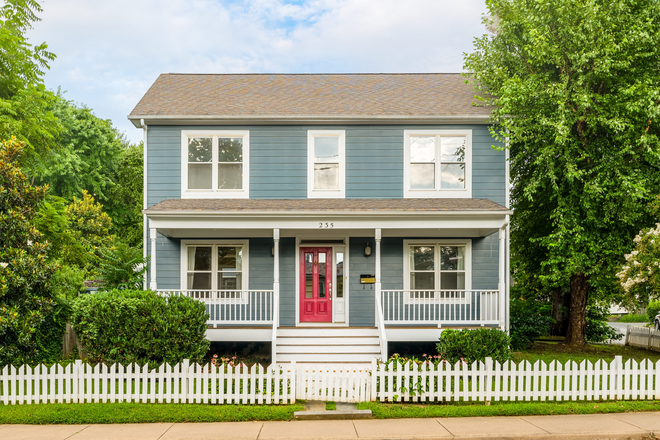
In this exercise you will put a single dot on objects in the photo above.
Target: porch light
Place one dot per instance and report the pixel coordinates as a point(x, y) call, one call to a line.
point(367, 250)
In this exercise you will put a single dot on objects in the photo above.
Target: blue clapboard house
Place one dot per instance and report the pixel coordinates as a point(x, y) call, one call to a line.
point(326, 214)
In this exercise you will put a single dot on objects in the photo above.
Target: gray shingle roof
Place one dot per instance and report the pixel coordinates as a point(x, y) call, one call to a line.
point(336, 205)
point(299, 95)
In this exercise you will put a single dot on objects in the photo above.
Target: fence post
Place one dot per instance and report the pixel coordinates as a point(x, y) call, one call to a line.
point(294, 378)
point(618, 362)
point(489, 379)
point(374, 379)
point(627, 340)
point(649, 344)
point(78, 381)
point(184, 381)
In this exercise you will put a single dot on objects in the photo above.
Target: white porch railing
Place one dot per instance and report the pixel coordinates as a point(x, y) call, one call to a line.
point(233, 306)
point(454, 307)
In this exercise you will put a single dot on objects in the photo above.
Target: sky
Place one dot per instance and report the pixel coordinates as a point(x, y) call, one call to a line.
point(109, 52)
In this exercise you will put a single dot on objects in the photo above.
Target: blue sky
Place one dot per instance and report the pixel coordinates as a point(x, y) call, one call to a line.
point(110, 52)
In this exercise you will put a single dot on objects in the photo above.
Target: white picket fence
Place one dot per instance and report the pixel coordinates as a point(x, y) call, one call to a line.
point(284, 383)
point(644, 337)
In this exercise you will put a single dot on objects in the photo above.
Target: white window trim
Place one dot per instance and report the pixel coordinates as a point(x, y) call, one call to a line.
point(437, 193)
point(214, 263)
point(214, 193)
point(326, 193)
point(445, 242)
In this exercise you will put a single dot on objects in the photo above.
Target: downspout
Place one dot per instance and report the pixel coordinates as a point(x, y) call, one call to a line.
point(144, 197)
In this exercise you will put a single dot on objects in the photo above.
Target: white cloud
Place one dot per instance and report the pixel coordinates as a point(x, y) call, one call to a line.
point(110, 52)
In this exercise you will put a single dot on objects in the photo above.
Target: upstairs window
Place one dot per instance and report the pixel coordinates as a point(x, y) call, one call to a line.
point(326, 164)
point(438, 163)
point(215, 164)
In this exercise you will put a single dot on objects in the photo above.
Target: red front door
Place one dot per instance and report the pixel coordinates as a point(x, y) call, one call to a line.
point(315, 284)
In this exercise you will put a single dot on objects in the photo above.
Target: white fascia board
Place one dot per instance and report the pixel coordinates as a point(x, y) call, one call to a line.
point(336, 222)
point(304, 119)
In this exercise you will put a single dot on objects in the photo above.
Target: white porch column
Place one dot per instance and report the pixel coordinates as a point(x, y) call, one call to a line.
point(152, 263)
point(276, 293)
point(383, 338)
point(502, 278)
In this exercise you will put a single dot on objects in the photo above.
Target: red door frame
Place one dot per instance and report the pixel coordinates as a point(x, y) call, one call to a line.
point(316, 309)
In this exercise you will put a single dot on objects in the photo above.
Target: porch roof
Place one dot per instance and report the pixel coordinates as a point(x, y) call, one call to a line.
point(467, 206)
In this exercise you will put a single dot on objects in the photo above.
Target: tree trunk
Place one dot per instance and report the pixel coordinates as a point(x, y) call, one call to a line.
point(577, 311)
point(557, 313)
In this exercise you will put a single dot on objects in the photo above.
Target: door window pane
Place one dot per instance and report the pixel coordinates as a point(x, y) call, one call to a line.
point(309, 275)
point(422, 149)
point(200, 149)
point(422, 176)
point(199, 176)
point(326, 147)
point(230, 149)
point(322, 275)
point(326, 176)
point(339, 283)
point(452, 176)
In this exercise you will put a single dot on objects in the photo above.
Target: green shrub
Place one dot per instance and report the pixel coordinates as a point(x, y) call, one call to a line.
point(123, 267)
point(598, 330)
point(652, 310)
point(128, 326)
point(474, 345)
point(49, 333)
point(529, 321)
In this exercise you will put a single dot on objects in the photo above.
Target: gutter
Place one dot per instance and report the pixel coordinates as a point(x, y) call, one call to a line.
point(144, 192)
point(314, 213)
point(315, 119)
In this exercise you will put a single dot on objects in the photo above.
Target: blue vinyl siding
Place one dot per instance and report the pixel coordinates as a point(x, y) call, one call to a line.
point(287, 282)
point(278, 161)
point(168, 262)
point(361, 304)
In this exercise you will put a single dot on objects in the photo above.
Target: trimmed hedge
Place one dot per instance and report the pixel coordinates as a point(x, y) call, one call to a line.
point(141, 326)
point(474, 345)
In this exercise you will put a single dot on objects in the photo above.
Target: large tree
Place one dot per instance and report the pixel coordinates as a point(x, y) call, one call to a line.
point(575, 86)
point(25, 104)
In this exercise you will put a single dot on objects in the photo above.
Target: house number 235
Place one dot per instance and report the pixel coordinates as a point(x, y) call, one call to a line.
point(326, 225)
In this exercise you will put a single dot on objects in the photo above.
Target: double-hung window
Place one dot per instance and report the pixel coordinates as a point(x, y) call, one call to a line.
point(216, 267)
point(215, 164)
point(438, 163)
point(437, 269)
point(326, 164)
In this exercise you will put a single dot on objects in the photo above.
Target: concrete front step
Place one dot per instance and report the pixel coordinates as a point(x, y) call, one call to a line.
point(373, 349)
point(337, 358)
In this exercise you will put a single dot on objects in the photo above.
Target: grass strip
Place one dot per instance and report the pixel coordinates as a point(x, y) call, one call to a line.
point(330, 406)
point(416, 410)
point(102, 413)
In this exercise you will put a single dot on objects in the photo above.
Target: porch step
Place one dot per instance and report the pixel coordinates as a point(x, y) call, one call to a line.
point(327, 344)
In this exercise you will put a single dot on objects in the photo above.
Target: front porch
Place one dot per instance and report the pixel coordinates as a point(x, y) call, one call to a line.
point(338, 292)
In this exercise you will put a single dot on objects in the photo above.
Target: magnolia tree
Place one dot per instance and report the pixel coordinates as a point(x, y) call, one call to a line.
point(640, 275)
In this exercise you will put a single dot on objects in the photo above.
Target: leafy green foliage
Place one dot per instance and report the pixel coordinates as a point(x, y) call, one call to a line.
point(123, 267)
point(68, 281)
point(88, 157)
point(126, 197)
point(652, 310)
point(25, 298)
point(597, 328)
point(24, 101)
point(575, 87)
point(640, 274)
point(128, 326)
point(474, 345)
point(529, 320)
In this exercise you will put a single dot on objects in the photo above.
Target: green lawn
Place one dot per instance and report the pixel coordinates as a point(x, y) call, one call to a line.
point(416, 410)
point(84, 413)
point(548, 351)
point(631, 317)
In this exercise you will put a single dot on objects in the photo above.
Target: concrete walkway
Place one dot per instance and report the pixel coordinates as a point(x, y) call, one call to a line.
point(597, 426)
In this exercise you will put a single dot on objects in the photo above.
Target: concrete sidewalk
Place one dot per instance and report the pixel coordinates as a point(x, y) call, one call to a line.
point(597, 426)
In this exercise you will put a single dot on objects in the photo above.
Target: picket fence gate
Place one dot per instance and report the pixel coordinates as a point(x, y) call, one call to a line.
point(284, 383)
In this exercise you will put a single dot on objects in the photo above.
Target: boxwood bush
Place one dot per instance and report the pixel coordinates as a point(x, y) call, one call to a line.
point(474, 345)
point(139, 326)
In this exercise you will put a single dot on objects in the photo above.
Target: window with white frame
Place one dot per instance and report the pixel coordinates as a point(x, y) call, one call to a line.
point(326, 164)
point(437, 269)
point(216, 267)
point(438, 163)
point(215, 164)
